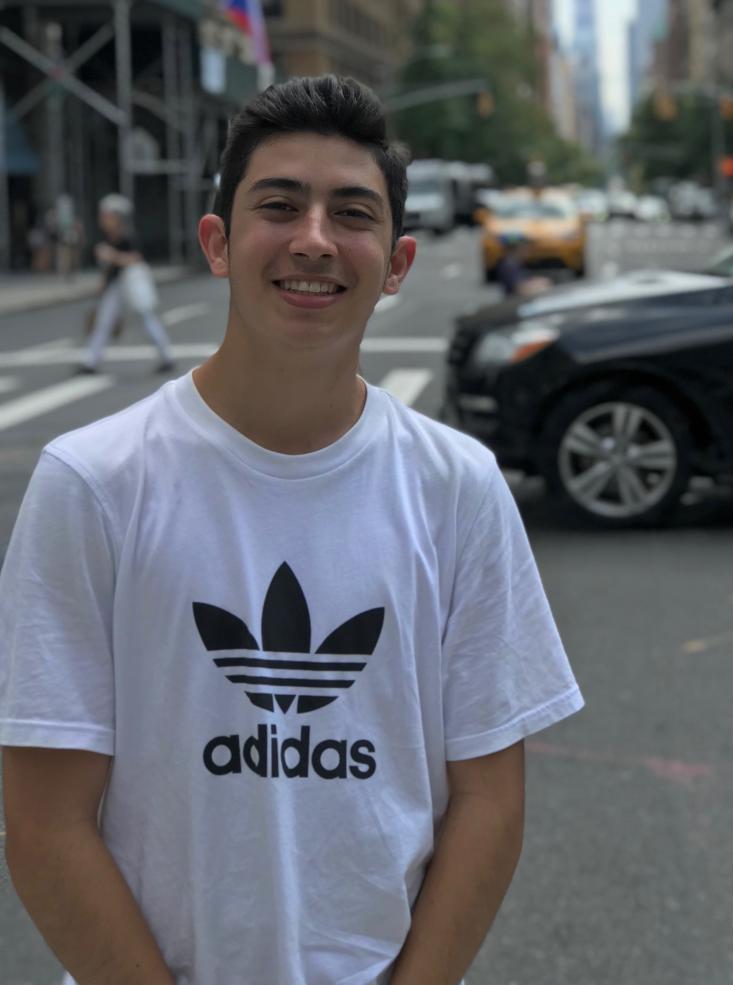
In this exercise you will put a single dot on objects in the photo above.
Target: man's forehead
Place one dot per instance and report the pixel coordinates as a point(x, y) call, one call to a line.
point(317, 161)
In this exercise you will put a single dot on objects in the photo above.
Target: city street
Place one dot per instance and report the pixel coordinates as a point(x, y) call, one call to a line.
point(627, 869)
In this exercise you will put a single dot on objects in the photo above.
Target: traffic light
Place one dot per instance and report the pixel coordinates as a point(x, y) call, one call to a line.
point(726, 107)
point(665, 107)
point(485, 104)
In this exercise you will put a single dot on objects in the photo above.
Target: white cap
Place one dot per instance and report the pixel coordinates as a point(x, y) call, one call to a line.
point(116, 203)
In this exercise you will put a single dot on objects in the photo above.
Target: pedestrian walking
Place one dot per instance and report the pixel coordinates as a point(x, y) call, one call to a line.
point(272, 641)
point(512, 272)
point(126, 283)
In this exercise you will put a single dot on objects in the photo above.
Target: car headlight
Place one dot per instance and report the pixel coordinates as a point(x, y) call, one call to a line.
point(512, 345)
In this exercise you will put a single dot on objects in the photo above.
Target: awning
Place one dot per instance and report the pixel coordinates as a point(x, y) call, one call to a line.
point(185, 8)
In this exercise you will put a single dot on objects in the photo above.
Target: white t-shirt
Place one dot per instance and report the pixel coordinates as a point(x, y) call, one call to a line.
point(280, 652)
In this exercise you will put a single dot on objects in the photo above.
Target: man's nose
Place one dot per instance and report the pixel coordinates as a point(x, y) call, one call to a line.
point(312, 235)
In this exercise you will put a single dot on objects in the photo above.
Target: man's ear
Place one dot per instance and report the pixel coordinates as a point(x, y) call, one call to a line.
point(399, 264)
point(213, 240)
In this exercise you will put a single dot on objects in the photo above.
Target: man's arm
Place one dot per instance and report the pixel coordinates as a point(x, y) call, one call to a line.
point(64, 874)
point(476, 853)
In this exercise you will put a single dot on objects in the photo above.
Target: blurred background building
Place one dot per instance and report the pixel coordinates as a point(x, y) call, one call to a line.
point(589, 115)
point(114, 95)
point(135, 95)
point(364, 38)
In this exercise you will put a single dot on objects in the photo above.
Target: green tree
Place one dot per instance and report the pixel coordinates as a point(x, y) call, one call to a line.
point(672, 137)
point(480, 39)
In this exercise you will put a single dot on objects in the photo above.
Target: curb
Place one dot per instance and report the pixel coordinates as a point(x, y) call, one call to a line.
point(18, 299)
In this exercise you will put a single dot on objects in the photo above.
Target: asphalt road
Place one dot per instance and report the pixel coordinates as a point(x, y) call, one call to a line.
point(626, 874)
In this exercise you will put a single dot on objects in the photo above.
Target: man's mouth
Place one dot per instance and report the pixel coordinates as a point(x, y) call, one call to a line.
point(312, 287)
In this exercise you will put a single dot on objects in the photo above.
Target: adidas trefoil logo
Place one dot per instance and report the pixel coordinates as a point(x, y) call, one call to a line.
point(286, 629)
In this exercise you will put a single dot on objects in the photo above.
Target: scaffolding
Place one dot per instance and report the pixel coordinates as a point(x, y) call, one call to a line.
point(112, 95)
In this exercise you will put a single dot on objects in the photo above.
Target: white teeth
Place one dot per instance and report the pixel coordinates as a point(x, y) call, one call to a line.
point(308, 287)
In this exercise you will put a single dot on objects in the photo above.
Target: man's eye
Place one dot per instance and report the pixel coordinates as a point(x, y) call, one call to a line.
point(355, 214)
point(277, 206)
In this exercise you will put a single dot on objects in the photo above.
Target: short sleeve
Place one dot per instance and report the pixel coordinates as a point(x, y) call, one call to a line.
point(56, 595)
point(505, 671)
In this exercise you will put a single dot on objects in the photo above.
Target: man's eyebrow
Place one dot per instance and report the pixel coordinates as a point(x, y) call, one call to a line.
point(284, 184)
point(359, 191)
point(303, 188)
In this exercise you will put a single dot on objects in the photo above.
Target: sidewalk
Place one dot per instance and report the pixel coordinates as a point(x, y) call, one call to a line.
point(26, 291)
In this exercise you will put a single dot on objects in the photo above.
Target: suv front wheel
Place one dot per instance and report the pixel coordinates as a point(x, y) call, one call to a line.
point(621, 456)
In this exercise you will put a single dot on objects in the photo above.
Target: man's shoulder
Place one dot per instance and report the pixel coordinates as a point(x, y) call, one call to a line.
point(441, 450)
point(105, 446)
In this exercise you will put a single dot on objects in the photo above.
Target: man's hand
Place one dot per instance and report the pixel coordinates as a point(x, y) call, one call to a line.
point(475, 856)
point(64, 873)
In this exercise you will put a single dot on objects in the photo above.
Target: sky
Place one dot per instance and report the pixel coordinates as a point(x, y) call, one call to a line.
point(612, 18)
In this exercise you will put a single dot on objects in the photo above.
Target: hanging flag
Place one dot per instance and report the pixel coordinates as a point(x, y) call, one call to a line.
point(248, 16)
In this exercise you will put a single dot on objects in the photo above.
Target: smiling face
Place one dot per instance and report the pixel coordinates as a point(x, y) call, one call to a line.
point(310, 244)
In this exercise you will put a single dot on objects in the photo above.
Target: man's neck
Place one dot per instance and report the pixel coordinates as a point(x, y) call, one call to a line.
point(292, 409)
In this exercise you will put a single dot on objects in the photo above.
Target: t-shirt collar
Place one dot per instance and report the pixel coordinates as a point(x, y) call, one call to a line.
point(272, 463)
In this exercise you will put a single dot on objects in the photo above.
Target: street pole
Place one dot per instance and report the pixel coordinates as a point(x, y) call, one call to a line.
point(4, 198)
point(717, 122)
point(123, 64)
point(55, 169)
point(172, 97)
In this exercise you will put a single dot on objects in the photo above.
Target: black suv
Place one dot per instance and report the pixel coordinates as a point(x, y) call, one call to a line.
point(616, 405)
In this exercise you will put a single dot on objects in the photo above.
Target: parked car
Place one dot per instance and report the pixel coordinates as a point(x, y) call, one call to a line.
point(617, 404)
point(466, 180)
point(592, 203)
point(548, 223)
point(652, 208)
point(690, 202)
point(622, 204)
point(430, 199)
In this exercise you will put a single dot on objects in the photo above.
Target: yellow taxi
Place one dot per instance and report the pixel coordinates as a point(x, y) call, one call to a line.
point(546, 224)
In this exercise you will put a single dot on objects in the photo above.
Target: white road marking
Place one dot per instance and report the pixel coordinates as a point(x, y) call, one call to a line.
point(406, 384)
point(8, 383)
point(452, 271)
point(42, 401)
point(404, 345)
point(387, 302)
point(186, 311)
point(193, 350)
point(53, 344)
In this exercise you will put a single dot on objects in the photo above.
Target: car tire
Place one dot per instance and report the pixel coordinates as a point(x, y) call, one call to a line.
point(620, 456)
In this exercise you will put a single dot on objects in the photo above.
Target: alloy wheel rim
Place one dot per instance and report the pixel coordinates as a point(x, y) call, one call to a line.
point(617, 460)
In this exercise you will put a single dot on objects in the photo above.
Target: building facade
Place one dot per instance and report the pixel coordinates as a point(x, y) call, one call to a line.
point(366, 39)
point(590, 128)
point(646, 30)
point(115, 96)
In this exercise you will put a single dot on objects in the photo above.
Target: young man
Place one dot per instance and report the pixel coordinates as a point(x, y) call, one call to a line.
point(281, 634)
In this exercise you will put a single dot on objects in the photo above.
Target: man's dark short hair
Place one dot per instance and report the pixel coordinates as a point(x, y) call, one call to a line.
point(328, 105)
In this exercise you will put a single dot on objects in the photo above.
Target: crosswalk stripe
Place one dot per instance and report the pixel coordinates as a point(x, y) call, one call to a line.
point(387, 302)
point(406, 384)
point(50, 398)
point(8, 383)
point(196, 350)
point(175, 315)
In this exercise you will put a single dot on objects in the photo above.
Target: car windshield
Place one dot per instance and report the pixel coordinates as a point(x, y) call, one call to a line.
point(525, 208)
point(423, 186)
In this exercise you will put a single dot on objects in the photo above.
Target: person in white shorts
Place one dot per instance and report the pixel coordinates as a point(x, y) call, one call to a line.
point(271, 640)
